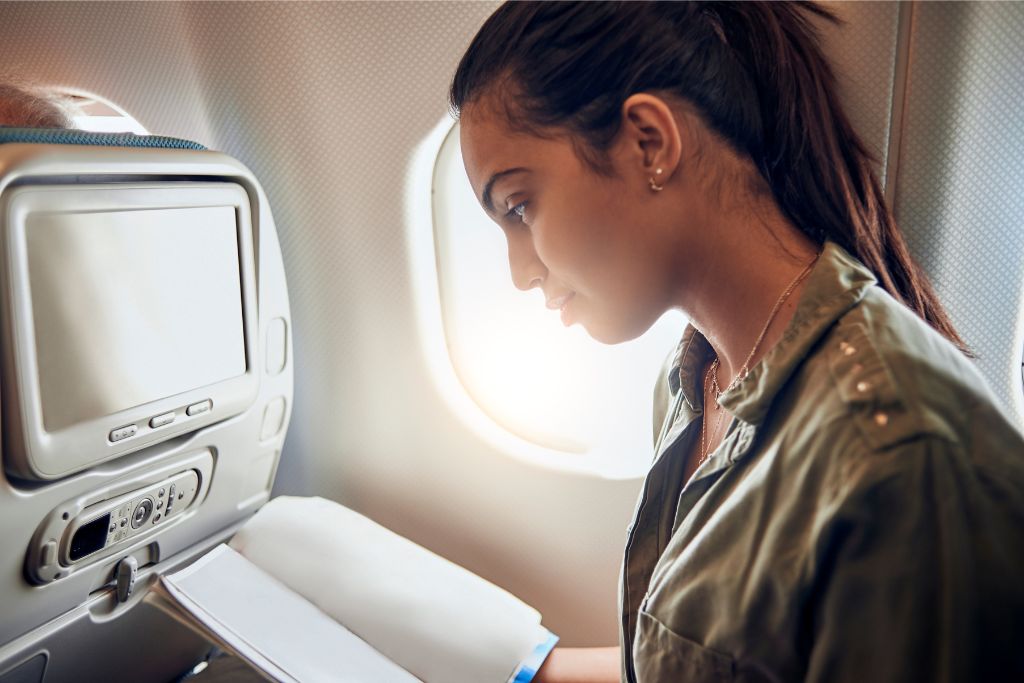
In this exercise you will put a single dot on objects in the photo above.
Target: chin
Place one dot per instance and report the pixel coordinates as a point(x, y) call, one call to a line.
point(613, 334)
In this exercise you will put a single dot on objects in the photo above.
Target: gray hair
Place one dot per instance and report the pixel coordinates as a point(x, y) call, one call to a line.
point(33, 107)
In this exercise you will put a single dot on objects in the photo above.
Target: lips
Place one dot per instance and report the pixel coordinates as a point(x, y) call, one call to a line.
point(559, 302)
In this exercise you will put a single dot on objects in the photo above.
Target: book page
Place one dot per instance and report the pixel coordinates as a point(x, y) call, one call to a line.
point(437, 620)
point(271, 627)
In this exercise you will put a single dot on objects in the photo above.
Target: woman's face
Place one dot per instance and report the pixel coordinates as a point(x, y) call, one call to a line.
point(595, 245)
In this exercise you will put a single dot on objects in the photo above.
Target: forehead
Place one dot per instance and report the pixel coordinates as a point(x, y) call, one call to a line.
point(490, 145)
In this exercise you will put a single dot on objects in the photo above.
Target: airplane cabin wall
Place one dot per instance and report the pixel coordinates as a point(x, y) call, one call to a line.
point(959, 195)
point(326, 103)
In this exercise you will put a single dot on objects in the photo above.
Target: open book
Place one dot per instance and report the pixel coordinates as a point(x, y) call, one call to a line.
point(312, 591)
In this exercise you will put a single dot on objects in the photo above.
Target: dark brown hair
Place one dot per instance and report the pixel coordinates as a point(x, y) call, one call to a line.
point(754, 71)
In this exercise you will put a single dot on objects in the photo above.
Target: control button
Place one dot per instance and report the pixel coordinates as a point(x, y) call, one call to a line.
point(156, 518)
point(124, 520)
point(199, 408)
point(49, 555)
point(160, 493)
point(159, 505)
point(113, 527)
point(142, 512)
point(122, 433)
point(161, 420)
point(171, 492)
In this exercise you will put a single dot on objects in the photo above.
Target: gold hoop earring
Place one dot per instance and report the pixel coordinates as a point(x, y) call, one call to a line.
point(655, 186)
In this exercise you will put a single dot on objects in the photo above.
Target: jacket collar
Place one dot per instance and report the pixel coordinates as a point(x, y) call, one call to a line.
point(835, 285)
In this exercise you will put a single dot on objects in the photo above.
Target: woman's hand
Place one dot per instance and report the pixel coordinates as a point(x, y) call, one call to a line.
point(580, 665)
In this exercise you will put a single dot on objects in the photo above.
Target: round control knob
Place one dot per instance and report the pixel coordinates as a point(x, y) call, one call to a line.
point(142, 512)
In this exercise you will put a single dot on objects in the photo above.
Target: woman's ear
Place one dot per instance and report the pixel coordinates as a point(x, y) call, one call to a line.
point(651, 136)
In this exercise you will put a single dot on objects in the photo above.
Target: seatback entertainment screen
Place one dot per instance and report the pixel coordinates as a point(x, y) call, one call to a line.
point(132, 306)
point(129, 318)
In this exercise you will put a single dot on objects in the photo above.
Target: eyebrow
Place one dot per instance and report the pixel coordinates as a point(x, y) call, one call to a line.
point(486, 198)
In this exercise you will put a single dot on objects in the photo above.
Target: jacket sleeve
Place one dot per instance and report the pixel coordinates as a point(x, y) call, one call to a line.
point(919, 574)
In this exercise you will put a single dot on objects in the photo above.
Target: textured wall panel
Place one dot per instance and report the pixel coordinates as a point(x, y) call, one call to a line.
point(863, 52)
point(960, 186)
point(326, 102)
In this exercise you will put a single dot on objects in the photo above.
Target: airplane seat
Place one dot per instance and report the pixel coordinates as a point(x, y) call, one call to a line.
point(145, 386)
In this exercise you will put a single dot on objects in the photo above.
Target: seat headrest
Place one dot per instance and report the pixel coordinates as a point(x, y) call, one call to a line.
point(66, 136)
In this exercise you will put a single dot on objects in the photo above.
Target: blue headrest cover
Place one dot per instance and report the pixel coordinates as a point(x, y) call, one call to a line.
point(65, 136)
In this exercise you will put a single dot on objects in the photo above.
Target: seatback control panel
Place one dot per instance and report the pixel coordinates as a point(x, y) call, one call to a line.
point(115, 519)
point(118, 521)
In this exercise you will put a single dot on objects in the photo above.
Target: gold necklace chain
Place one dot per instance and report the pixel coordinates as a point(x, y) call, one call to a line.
point(745, 368)
point(704, 424)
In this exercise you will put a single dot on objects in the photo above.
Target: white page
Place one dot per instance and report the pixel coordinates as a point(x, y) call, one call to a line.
point(274, 628)
point(437, 620)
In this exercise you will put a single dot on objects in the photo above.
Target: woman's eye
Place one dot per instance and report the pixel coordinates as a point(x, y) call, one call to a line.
point(518, 212)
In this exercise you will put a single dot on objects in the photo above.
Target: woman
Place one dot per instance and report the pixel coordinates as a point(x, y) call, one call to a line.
point(836, 496)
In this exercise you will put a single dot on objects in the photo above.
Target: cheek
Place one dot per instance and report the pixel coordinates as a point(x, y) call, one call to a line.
point(577, 238)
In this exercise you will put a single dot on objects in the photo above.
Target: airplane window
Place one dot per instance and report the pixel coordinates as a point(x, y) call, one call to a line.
point(583, 405)
point(99, 115)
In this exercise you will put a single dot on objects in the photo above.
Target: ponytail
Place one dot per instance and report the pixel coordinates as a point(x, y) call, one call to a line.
point(754, 71)
point(821, 174)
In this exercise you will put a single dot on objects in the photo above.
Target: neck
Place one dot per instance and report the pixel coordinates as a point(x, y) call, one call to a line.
point(732, 295)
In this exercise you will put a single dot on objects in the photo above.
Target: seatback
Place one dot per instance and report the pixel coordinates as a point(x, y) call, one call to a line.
point(147, 385)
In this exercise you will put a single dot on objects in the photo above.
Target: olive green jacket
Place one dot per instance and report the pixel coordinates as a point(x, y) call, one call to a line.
point(863, 520)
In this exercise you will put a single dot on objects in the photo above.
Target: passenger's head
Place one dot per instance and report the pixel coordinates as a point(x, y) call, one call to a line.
point(28, 107)
point(724, 105)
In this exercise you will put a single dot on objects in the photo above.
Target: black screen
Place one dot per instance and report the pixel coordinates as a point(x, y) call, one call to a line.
point(90, 537)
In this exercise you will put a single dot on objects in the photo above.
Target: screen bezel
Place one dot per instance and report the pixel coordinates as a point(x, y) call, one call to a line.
point(34, 453)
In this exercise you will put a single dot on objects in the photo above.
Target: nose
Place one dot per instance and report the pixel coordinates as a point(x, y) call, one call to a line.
point(527, 269)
